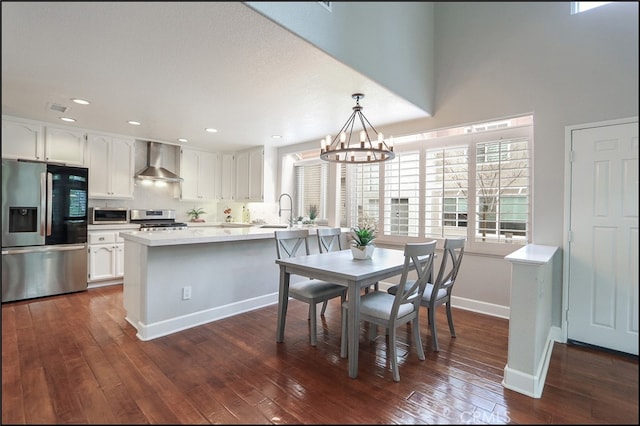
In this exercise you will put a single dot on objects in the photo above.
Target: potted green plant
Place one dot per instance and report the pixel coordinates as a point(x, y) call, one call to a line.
point(195, 213)
point(362, 238)
point(313, 212)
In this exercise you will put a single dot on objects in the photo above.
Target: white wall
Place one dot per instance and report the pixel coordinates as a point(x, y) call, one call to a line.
point(390, 42)
point(500, 59)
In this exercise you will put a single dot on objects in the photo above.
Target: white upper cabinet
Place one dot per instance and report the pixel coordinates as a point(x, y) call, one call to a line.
point(249, 175)
point(64, 145)
point(22, 140)
point(197, 169)
point(28, 140)
point(111, 166)
point(228, 177)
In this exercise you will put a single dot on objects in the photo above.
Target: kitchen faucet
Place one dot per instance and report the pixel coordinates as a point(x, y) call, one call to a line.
point(290, 209)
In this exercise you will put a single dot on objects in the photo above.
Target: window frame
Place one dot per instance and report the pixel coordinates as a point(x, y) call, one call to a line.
point(472, 140)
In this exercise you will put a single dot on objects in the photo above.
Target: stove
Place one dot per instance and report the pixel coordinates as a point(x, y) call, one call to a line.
point(156, 220)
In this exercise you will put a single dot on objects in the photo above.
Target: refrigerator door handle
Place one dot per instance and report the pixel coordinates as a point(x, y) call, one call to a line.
point(49, 202)
point(45, 249)
point(43, 203)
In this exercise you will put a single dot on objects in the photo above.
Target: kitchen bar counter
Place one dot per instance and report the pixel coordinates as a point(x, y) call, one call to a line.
point(202, 234)
point(197, 235)
point(178, 279)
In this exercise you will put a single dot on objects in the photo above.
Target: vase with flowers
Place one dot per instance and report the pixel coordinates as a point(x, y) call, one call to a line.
point(227, 215)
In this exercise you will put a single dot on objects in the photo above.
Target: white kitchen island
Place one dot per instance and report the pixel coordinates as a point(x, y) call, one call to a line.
point(175, 280)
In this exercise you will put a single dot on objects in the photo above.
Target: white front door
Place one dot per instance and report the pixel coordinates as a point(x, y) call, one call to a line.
point(603, 248)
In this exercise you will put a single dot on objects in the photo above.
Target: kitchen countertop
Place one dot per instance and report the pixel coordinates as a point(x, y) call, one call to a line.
point(199, 235)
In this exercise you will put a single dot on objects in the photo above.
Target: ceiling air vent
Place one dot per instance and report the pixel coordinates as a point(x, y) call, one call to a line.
point(59, 108)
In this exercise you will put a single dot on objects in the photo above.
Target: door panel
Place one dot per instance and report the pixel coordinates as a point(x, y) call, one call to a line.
point(603, 267)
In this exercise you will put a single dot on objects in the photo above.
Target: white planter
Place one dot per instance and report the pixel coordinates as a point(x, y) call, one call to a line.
point(362, 252)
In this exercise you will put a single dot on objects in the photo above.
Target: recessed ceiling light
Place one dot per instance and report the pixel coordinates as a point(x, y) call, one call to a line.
point(276, 136)
point(211, 130)
point(134, 123)
point(68, 119)
point(183, 140)
point(80, 101)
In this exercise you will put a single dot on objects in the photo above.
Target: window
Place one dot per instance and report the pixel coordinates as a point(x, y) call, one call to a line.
point(446, 191)
point(402, 195)
point(502, 189)
point(471, 181)
point(583, 6)
point(310, 191)
point(363, 187)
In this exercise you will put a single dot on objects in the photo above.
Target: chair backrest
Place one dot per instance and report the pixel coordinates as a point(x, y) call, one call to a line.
point(410, 291)
point(450, 265)
point(329, 239)
point(292, 243)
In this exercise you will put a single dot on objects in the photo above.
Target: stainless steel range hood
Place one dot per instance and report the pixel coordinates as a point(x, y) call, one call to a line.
point(154, 169)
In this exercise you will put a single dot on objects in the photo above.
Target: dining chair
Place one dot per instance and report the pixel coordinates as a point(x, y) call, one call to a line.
point(393, 310)
point(329, 239)
point(439, 292)
point(292, 243)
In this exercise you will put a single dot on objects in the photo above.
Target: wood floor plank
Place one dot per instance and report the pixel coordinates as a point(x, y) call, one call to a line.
point(75, 359)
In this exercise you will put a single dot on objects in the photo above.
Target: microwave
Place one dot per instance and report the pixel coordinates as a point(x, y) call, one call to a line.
point(108, 215)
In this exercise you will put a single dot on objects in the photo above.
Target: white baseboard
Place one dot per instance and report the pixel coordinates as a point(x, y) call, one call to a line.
point(163, 328)
point(531, 384)
point(469, 304)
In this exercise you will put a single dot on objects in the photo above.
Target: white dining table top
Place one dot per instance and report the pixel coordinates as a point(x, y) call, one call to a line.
point(342, 264)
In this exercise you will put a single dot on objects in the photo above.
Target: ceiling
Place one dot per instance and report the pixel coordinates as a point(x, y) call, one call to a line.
point(177, 68)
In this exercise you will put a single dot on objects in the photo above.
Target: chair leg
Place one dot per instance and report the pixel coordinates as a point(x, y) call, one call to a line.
point(450, 319)
point(434, 333)
point(312, 327)
point(343, 338)
point(417, 339)
point(393, 353)
point(373, 331)
point(376, 287)
point(324, 308)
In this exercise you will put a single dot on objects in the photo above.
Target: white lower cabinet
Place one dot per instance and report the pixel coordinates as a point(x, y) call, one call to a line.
point(105, 257)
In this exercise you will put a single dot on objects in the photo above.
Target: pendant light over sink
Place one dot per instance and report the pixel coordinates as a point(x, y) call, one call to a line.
point(345, 149)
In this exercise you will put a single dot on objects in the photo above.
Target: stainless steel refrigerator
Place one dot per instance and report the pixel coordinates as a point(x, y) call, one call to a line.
point(44, 229)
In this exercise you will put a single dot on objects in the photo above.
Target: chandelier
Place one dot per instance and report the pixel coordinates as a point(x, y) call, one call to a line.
point(345, 149)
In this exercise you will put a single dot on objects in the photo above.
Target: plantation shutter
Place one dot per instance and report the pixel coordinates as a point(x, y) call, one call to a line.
point(365, 193)
point(310, 184)
point(502, 189)
point(401, 195)
point(446, 195)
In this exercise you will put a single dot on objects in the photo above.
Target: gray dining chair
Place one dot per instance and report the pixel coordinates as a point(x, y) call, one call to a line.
point(329, 239)
point(292, 243)
point(391, 311)
point(439, 292)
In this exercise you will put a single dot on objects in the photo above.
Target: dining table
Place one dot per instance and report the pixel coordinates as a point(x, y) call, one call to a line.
point(341, 268)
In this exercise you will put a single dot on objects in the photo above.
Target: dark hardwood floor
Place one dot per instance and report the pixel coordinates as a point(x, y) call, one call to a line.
point(74, 359)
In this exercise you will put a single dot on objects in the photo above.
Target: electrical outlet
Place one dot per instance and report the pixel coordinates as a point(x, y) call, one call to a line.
point(186, 292)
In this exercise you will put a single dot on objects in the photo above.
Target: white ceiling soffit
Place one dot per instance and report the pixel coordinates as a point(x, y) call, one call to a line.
point(177, 68)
